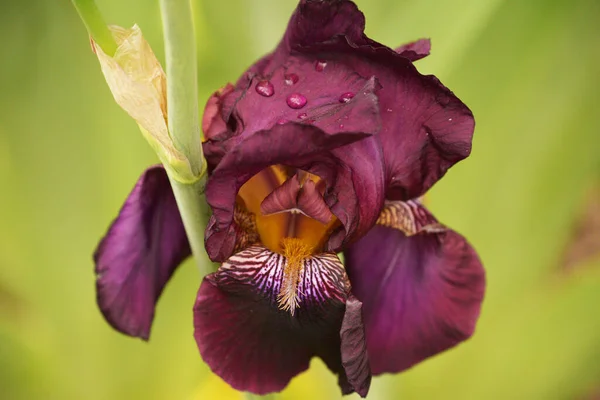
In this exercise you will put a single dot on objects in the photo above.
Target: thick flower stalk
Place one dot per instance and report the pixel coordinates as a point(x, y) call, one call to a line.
point(326, 145)
point(139, 85)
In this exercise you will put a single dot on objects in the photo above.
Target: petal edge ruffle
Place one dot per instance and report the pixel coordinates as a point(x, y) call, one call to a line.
point(421, 294)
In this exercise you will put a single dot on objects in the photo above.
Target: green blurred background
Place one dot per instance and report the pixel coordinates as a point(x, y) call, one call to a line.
point(528, 198)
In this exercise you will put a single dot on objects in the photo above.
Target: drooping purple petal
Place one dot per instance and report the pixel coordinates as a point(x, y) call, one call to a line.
point(415, 50)
point(255, 346)
point(139, 253)
point(425, 128)
point(421, 294)
point(335, 143)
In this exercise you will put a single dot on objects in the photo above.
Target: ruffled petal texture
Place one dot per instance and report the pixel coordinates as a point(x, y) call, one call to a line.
point(425, 128)
point(257, 347)
point(139, 254)
point(331, 136)
point(415, 50)
point(421, 290)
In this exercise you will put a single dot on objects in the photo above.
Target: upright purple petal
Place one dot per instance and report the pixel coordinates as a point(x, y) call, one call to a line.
point(425, 128)
point(139, 253)
point(421, 294)
point(255, 346)
point(332, 140)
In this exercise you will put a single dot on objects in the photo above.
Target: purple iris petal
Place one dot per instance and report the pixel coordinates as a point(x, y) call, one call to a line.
point(425, 128)
point(255, 346)
point(415, 50)
point(421, 294)
point(348, 159)
point(139, 253)
point(316, 95)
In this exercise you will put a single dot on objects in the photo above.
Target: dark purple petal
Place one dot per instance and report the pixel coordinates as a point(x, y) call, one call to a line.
point(415, 50)
point(421, 294)
point(213, 123)
point(283, 198)
point(305, 198)
point(313, 99)
point(425, 128)
point(311, 203)
point(354, 347)
point(254, 346)
point(345, 156)
point(139, 253)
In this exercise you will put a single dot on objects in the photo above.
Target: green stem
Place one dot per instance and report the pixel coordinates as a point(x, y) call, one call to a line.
point(95, 25)
point(182, 80)
point(194, 213)
point(182, 105)
point(184, 127)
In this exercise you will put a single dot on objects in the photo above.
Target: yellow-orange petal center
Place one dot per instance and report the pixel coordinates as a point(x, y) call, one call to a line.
point(274, 229)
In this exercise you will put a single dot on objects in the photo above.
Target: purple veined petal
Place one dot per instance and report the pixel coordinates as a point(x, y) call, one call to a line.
point(139, 254)
point(415, 50)
point(409, 217)
point(255, 346)
point(421, 294)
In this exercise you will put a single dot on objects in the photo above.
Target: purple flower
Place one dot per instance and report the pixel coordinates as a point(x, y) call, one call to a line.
point(323, 146)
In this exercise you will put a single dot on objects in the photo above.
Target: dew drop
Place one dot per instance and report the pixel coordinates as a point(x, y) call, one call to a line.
point(302, 116)
point(296, 101)
point(282, 121)
point(265, 88)
point(291, 79)
point(341, 126)
point(389, 110)
point(346, 97)
point(320, 65)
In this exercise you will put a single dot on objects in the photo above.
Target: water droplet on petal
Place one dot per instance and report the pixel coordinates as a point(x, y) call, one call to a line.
point(320, 65)
point(302, 115)
point(346, 97)
point(265, 88)
point(296, 101)
point(389, 110)
point(291, 79)
point(282, 121)
point(341, 126)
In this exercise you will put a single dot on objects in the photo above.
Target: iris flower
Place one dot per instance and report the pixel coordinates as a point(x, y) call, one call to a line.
point(324, 146)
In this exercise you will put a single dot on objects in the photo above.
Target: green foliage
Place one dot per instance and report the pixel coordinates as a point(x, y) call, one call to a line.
point(69, 155)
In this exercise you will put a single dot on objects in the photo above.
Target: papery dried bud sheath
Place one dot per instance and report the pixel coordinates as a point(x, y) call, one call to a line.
point(138, 84)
